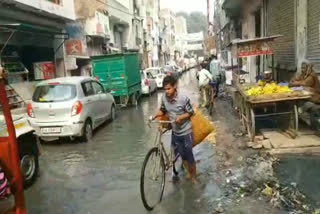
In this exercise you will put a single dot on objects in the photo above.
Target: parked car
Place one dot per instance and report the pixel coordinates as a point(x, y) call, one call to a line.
point(159, 74)
point(148, 82)
point(70, 107)
point(171, 71)
point(28, 146)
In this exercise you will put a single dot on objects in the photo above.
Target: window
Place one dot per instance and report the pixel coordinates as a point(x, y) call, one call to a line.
point(149, 75)
point(87, 89)
point(98, 88)
point(54, 93)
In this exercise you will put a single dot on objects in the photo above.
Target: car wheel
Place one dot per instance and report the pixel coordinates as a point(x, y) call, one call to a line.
point(29, 164)
point(87, 131)
point(113, 113)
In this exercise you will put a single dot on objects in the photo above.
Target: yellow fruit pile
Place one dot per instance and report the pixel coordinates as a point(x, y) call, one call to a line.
point(268, 89)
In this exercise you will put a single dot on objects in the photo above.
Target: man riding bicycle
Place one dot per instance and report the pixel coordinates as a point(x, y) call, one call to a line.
point(204, 79)
point(180, 110)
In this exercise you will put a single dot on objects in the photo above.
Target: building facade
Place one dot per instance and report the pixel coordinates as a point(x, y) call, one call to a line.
point(37, 27)
point(295, 20)
point(181, 32)
point(168, 33)
point(151, 33)
point(88, 36)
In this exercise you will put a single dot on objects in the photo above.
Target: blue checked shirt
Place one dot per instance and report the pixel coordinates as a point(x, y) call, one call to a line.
point(176, 107)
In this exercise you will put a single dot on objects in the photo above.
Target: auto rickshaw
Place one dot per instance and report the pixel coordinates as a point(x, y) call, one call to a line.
point(9, 156)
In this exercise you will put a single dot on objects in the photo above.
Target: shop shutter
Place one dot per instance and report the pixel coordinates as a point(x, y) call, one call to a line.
point(280, 14)
point(313, 53)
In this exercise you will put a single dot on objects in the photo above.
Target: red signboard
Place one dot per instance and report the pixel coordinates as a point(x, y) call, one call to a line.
point(255, 53)
point(74, 47)
point(256, 48)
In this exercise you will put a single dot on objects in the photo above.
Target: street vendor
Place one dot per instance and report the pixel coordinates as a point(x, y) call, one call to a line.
point(309, 80)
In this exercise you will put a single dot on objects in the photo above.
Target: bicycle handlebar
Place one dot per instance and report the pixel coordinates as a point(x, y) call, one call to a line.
point(152, 120)
point(162, 122)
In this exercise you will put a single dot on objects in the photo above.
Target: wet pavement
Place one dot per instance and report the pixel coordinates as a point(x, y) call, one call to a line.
point(303, 171)
point(103, 176)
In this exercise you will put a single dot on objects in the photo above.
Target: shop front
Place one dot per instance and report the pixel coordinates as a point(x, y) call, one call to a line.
point(30, 53)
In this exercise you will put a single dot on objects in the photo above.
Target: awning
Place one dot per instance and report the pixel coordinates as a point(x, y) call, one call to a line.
point(260, 39)
point(28, 28)
point(33, 29)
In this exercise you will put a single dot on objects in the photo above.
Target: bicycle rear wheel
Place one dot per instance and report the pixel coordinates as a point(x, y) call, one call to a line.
point(152, 179)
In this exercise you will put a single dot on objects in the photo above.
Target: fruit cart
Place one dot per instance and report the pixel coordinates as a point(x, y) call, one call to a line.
point(273, 101)
point(282, 106)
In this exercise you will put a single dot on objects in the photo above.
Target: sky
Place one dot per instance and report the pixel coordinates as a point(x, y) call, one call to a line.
point(185, 5)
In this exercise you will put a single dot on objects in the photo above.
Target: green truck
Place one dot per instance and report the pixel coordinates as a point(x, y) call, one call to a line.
point(119, 74)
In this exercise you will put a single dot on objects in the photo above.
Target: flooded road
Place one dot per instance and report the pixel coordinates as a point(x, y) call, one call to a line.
point(103, 176)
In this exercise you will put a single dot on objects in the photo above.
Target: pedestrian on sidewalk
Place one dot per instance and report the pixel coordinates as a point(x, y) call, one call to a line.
point(179, 109)
point(204, 79)
point(215, 70)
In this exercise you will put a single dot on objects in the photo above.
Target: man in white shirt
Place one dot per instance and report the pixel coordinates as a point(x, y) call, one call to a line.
point(215, 69)
point(204, 79)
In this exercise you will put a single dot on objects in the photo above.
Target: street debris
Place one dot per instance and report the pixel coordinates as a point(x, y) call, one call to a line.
point(255, 177)
point(268, 191)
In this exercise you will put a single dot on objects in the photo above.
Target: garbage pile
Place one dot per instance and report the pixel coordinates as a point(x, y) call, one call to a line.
point(255, 178)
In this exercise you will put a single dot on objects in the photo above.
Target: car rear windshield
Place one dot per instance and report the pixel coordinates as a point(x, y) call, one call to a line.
point(154, 72)
point(169, 68)
point(54, 93)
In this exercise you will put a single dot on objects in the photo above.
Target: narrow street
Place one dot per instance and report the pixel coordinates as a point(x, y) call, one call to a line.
point(103, 176)
point(66, 67)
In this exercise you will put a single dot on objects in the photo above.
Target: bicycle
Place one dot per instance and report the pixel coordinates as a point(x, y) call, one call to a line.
point(162, 163)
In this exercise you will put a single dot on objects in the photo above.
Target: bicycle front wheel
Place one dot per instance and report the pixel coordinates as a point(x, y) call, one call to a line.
point(152, 179)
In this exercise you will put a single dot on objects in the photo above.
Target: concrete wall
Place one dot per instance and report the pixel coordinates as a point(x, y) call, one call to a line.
point(302, 24)
point(248, 32)
point(64, 10)
point(122, 16)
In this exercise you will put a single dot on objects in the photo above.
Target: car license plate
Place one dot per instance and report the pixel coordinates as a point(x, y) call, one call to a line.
point(51, 130)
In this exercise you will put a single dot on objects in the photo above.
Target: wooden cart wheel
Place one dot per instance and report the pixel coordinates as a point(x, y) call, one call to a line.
point(242, 109)
point(251, 125)
point(242, 118)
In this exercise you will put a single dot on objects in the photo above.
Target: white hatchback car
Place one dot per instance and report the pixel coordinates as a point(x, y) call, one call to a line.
point(148, 82)
point(159, 74)
point(69, 107)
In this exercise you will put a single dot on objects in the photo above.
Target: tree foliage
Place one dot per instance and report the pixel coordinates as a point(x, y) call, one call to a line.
point(196, 21)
